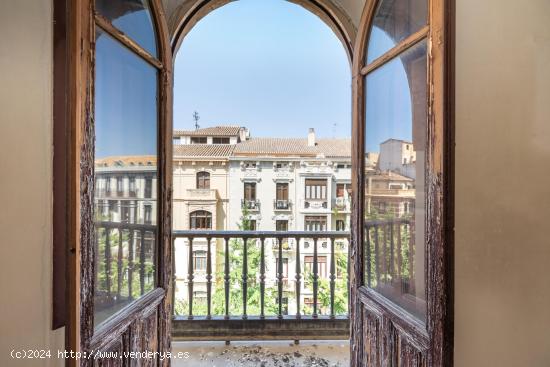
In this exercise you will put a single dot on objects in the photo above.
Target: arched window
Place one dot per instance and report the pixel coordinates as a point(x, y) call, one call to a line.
point(400, 106)
point(120, 85)
point(200, 219)
point(203, 180)
point(395, 111)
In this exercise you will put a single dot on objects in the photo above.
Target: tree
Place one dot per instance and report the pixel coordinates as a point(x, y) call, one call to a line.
point(236, 261)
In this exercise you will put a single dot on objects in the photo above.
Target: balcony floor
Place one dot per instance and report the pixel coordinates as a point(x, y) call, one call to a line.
point(329, 353)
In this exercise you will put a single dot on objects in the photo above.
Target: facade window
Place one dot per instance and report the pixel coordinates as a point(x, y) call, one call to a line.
point(125, 212)
point(147, 214)
point(249, 201)
point(250, 191)
point(199, 140)
point(251, 226)
point(220, 141)
point(200, 219)
point(342, 189)
point(119, 186)
point(250, 164)
point(340, 225)
point(132, 187)
point(316, 189)
point(203, 180)
point(199, 260)
point(315, 223)
point(113, 209)
point(281, 196)
point(285, 267)
point(108, 185)
point(282, 191)
point(281, 225)
point(284, 306)
point(321, 265)
point(148, 187)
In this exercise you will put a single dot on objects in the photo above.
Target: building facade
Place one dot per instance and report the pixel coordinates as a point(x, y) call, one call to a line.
point(275, 184)
point(126, 189)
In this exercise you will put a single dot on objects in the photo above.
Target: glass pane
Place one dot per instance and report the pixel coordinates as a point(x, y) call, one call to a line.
point(395, 130)
point(125, 175)
point(394, 21)
point(134, 18)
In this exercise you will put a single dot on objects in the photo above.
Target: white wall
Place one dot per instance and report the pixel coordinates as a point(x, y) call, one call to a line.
point(502, 299)
point(26, 181)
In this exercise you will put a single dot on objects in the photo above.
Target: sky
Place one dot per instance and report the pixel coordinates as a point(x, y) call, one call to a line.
point(269, 65)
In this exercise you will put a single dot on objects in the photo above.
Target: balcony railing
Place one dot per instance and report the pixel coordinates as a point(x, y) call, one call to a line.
point(340, 203)
point(234, 278)
point(124, 252)
point(281, 204)
point(250, 204)
point(242, 279)
point(315, 204)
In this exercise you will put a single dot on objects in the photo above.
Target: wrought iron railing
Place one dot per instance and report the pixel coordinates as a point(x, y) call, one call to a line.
point(281, 204)
point(124, 257)
point(318, 323)
point(250, 204)
point(127, 257)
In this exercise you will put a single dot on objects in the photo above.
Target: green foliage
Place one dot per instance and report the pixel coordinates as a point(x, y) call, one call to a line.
point(253, 297)
point(121, 241)
point(383, 238)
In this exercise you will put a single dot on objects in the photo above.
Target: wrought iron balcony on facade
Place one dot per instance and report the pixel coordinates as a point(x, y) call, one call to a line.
point(320, 323)
point(250, 204)
point(282, 204)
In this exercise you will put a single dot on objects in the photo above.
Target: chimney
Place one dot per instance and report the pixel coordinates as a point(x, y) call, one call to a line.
point(311, 138)
point(244, 134)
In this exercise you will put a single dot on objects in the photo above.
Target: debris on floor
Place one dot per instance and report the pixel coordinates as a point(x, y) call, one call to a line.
point(263, 354)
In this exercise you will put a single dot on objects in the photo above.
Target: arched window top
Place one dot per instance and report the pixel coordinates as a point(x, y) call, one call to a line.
point(394, 21)
point(200, 219)
point(201, 213)
point(133, 18)
point(203, 180)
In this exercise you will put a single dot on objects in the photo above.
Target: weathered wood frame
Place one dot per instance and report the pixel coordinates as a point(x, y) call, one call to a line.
point(151, 314)
point(382, 333)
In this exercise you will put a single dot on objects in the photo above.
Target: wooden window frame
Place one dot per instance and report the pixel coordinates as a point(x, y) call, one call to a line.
point(202, 215)
point(74, 228)
point(203, 177)
point(199, 259)
point(321, 219)
point(199, 140)
point(375, 318)
point(279, 223)
point(282, 189)
point(221, 140)
point(315, 186)
point(252, 190)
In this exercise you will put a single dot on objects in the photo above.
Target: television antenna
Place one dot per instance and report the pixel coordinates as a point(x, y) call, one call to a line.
point(196, 118)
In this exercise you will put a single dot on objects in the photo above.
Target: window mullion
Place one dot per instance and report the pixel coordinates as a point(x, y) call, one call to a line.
point(121, 37)
point(403, 46)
